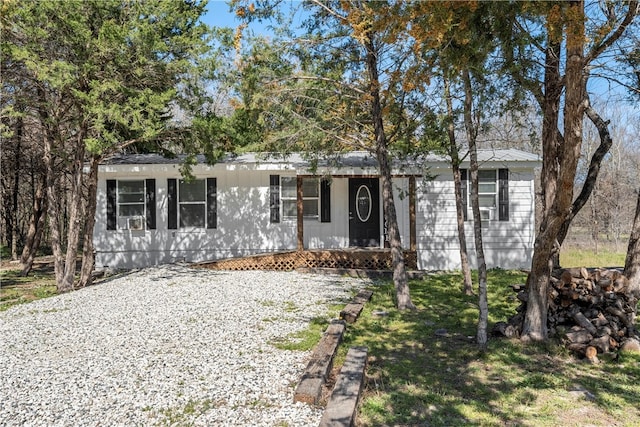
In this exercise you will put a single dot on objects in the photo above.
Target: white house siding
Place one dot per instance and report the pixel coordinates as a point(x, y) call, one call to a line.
point(335, 234)
point(243, 225)
point(507, 244)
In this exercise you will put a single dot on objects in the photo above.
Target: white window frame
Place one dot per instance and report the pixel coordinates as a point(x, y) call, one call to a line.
point(488, 211)
point(130, 222)
point(287, 198)
point(189, 203)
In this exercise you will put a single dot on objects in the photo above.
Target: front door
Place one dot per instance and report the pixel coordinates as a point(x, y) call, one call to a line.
point(364, 212)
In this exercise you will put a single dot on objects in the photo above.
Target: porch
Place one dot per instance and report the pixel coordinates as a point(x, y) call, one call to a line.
point(376, 259)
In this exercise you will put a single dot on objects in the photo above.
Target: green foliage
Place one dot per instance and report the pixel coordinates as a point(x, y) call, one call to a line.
point(113, 68)
point(425, 368)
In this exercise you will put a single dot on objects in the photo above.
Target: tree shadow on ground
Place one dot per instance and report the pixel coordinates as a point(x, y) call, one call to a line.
point(425, 369)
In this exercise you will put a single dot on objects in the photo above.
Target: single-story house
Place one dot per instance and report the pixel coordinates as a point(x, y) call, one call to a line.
point(248, 204)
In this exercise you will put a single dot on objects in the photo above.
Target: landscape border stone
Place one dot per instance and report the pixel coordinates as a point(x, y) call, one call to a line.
point(309, 388)
point(341, 407)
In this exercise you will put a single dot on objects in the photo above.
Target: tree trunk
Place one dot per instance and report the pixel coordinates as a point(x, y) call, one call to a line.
point(88, 255)
point(457, 184)
point(632, 262)
point(37, 224)
point(535, 321)
point(54, 205)
point(400, 280)
point(558, 198)
point(16, 188)
point(592, 175)
point(75, 216)
point(471, 129)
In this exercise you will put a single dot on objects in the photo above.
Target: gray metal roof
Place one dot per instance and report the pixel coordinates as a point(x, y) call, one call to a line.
point(350, 159)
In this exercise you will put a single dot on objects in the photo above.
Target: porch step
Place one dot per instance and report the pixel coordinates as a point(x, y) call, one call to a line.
point(341, 408)
point(315, 375)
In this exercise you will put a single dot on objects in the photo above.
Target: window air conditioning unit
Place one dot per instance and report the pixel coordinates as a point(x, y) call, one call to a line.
point(486, 214)
point(136, 223)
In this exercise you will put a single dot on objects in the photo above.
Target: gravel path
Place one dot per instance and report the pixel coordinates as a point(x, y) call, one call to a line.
point(163, 346)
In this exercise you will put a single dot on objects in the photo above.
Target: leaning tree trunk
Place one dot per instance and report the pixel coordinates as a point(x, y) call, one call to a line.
point(37, 224)
point(400, 279)
point(592, 175)
point(457, 184)
point(632, 262)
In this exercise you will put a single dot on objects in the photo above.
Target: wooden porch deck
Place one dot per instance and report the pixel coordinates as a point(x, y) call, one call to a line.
point(350, 259)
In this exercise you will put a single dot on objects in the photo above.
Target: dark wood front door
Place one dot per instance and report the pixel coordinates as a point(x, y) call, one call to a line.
point(364, 212)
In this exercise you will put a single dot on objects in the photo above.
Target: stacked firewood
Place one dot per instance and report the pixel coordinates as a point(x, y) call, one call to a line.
point(592, 311)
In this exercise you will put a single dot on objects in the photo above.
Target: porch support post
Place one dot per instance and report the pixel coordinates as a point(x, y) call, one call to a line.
point(300, 213)
point(412, 213)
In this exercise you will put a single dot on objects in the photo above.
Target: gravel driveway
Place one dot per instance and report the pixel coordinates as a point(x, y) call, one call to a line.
point(163, 346)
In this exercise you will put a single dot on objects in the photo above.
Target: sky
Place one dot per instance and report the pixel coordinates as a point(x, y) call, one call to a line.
point(218, 15)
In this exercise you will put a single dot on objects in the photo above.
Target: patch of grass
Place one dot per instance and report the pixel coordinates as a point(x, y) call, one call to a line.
point(184, 415)
point(267, 303)
point(415, 377)
point(307, 339)
point(16, 289)
point(574, 257)
point(290, 307)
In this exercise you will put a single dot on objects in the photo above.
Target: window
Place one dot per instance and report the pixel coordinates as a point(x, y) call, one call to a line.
point(487, 192)
point(131, 204)
point(493, 194)
point(310, 197)
point(316, 198)
point(288, 196)
point(192, 204)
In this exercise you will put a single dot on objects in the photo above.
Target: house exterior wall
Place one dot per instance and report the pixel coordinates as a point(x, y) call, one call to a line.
point(507, 244)
point(244, 226)
point(335, 234)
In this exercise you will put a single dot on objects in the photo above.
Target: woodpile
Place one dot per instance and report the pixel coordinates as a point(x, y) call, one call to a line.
point(592, 311)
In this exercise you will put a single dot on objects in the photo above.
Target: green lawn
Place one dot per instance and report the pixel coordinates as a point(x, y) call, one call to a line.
point(15, 289)
point(607, 257)
point(424, 367)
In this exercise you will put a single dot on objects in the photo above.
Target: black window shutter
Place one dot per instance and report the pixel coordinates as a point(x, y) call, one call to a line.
point(274, 198)
point(172, 190)
point(463, 190)
point(150, 199)
point(325, 200)
point(503, 194)
point(112, 216)
point(212, 203)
